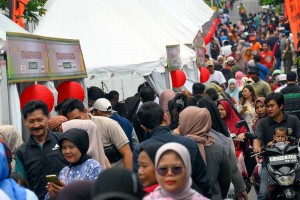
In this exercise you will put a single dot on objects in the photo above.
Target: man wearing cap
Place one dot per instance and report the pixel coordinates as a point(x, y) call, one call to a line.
point(272, 83)
point(286, 54)
point(233, 67)
point(261, 88)
point(102, 107)
point(282, 82)
point(267, 57)
point(254, 46)
point(115, 141)
point(215, 75)
point(291, 87)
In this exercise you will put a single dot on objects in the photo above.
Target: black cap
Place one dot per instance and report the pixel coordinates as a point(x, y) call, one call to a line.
point(254, 69)
point(291, 76)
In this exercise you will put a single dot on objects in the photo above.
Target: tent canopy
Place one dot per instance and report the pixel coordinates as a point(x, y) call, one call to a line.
point(8, 26)
point(123, 37)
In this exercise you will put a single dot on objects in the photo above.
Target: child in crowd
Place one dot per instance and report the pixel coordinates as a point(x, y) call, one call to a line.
point(280, 135)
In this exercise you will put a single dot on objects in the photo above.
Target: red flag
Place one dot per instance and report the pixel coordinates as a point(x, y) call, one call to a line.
point(19, 12)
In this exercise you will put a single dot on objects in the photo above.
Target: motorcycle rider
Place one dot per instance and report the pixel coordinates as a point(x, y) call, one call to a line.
point(266, 127)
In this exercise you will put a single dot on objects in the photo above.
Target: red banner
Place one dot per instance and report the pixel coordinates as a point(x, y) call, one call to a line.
point(292, 8)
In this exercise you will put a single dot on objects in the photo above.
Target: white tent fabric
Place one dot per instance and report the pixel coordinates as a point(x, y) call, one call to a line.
point(8, 26)
point(121, 38)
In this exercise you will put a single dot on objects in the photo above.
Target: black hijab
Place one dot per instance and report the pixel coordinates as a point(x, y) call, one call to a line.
point(151, 150)
point(117, 183)
point(81, 139)
point(217, 122)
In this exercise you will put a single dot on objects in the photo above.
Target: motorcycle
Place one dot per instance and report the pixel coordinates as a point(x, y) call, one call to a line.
point(283, 169)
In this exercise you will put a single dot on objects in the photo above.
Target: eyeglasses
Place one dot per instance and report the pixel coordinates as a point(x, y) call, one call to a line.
point(163, 171)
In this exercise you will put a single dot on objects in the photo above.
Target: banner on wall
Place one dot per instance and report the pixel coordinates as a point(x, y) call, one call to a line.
point(199, 48)
point(36, 58)
point(292, 8)
point(173, 56)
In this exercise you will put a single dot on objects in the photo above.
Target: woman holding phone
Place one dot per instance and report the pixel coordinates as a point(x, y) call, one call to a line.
point(74, 145)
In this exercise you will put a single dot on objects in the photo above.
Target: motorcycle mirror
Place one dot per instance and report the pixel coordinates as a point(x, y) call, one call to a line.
point(240, 123)
point(250, 135)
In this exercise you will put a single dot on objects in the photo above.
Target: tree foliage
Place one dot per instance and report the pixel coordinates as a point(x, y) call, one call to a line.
point(33, 10)
point(270, 2)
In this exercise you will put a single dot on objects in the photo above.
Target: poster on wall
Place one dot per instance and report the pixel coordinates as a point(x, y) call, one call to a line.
point(26, 59)
point(173, 56)
point(37, 58)
point(65, 59)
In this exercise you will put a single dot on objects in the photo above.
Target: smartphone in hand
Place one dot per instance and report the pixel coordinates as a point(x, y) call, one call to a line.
point(53, 179)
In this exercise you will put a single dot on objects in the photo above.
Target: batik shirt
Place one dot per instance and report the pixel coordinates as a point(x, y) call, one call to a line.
point(89, 171)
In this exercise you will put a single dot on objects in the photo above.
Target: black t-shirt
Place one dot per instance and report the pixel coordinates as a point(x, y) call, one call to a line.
point(266, 127)
point(271, 41)
point(290, 88)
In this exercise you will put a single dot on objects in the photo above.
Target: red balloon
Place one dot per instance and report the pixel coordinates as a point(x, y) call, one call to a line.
point(178, 78)
point(37, 92)
point(204, 74)
point(69, 89)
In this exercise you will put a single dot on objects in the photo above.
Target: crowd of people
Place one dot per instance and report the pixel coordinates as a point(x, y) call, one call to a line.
point(175, 145)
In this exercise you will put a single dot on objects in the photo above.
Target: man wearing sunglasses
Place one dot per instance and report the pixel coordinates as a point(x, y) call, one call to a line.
point(153, 121)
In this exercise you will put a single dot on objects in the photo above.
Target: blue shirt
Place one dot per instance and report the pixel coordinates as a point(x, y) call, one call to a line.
point(126, 126)
point(263, 71)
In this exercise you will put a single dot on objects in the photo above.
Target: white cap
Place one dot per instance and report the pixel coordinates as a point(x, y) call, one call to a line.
point(102, 104)
point(251, 63)
point(282, 77)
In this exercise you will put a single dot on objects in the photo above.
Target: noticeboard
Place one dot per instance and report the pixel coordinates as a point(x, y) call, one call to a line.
point(173, 56)
point(36, 58)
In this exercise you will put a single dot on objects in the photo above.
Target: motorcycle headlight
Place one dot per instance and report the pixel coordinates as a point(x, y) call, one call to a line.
point(285, 180)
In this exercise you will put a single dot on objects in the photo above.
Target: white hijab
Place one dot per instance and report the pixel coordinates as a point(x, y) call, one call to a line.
point(187, 192)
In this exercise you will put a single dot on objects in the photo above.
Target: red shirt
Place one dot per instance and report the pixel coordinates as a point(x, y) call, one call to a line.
point(267, 58)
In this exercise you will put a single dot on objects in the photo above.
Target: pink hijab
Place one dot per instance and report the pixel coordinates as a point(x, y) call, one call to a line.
point(164, 98)
point(238, 77)
point(196, 123)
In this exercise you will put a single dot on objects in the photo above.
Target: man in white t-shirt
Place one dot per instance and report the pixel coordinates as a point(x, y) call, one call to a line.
point(214, 75)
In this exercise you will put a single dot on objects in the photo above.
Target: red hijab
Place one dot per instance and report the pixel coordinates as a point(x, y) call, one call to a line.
point(231, 118)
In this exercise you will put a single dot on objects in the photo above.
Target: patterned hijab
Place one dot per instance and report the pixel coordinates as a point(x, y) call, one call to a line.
point(196, 123)
point(12, 136)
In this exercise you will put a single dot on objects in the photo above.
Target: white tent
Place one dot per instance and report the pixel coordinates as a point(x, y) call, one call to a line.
point(8, 26)
point(128, 37)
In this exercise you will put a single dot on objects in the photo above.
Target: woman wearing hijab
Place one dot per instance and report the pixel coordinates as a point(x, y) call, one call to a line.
point(96, 150)
point(260, 109)
point(233, 89)
point(74, 145)
point(239, 61)
point(220, 132)
point(238, 77)
point(246, 106)
point(173, 173)
point(13, 138)
point(230, 116)
point(146, 167)
point(164, 99)
point(248, 55)
point(55, 123)
point(196, 123)
point(8, 186)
